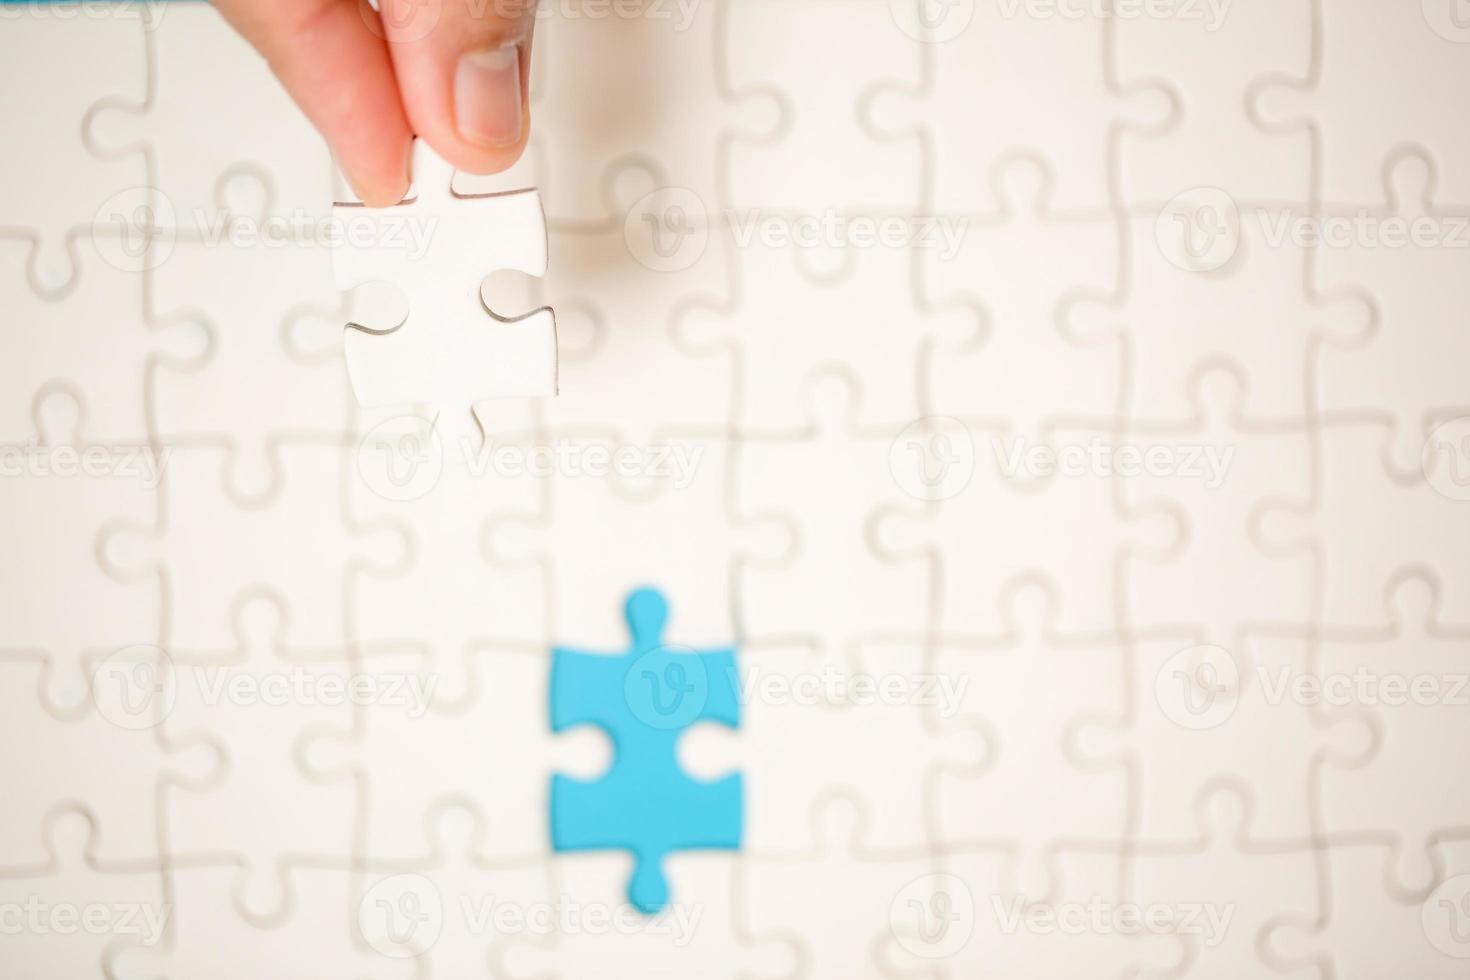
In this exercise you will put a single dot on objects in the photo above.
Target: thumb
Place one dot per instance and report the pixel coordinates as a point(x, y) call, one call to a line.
point(463, 69)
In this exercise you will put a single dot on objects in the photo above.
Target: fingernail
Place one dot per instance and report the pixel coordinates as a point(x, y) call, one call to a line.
point(407, 170)
point(487, 96)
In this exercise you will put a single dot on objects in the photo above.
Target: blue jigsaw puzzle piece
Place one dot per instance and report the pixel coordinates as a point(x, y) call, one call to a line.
point(644, 699)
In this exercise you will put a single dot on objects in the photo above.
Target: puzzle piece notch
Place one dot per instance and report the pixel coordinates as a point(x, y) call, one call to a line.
point(847, 479)
point(1217, 497)
point(1029, 799)
point(645, 803)
point(207, 551)
point(1065, 526)
point(1200, 716)
point(450, 881)
point(404, 758)
point(1213, 139)
point(259, 740)
point(65, 511)
point(120, 906)
point(1260, 307)
point(58, 182)
point(1019, 272)
point(212, 112)
point(97, 338)
point(1366, 931)
point(1398, 781)
point(1063, 106)
point(767, 48)
point(638, 536)
point(850, 905)
point(1422, 526)
point(252, 304)
point(806, 310)
point(1243, 872)
point(895, 745)
point(208, 938)
point(667, 108)
point(104, 758)
point(1361, 112)
point(450, 350)
point(1416, 328)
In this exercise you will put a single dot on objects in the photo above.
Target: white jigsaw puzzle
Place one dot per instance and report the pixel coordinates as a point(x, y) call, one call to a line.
point(1059, 407)
point(451, 351)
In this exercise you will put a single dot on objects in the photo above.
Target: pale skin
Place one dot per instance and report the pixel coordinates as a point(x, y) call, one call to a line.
point(454, 72)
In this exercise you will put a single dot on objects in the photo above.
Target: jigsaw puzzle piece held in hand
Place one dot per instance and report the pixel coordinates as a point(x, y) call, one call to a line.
point(644, 699)
point(451, 350)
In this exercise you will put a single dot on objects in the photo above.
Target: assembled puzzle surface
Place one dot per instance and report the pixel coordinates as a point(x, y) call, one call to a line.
point(1006, 512)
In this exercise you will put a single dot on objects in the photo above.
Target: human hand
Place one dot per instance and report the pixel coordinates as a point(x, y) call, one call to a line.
point(454, 72)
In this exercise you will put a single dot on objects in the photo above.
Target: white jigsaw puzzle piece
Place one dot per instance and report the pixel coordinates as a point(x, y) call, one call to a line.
point(58, 181)
point(69, 916)
point(451, 350)
point(213, 113)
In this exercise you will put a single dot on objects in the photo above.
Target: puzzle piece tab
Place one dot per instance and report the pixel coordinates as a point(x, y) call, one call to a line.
point(644, 699)
point(451, 350)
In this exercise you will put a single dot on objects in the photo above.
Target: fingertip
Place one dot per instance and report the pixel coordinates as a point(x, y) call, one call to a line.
point(375, 177)
point(464, 75)
point(333, 60)
point(474, 159)
point(488, 124)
